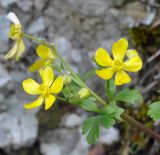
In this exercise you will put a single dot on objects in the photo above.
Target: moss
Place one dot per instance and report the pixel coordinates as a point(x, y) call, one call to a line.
point(145, 38)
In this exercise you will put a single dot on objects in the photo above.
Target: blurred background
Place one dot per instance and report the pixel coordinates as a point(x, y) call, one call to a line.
point(78, 27)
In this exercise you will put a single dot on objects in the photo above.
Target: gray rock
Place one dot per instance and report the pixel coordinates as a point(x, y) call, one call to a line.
point(63, 47)
point(63, 140)
point(50, 149)
point(26, 6)
point(6, 3)
point(149, 18)
point(72, 120)
point(4, 76)
point(39, 4)
point(4, 30)
point(135, 13)
point(109, 136)
point(37, 26)
point(118, 2)
point(16, 132)
point(90, 7)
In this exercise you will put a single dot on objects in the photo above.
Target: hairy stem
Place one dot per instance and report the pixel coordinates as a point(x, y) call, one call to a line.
point(82, 84)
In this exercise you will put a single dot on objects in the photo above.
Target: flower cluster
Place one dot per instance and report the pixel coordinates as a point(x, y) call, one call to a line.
point(49, 88)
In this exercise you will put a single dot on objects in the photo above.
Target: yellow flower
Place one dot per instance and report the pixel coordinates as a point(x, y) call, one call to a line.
point(15, 34)
point(46, 90)
point(47, 56)
point(118, 65)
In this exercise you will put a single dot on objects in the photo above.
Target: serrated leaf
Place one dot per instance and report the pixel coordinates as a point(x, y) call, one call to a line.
point(107, 121)
point(108, 109)
point(91, 128)
point(129, 96)
point(112, 110)
point(110, 89)
point(89, 104)
point(154, 110)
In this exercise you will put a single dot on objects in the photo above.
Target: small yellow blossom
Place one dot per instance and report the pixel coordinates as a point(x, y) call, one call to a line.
point(46, 90)
point(83, 93)
point(15, 34)
point(118, 65)
point(47, 56)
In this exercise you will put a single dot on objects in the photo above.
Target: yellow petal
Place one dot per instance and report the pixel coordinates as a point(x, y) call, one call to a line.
point(119, 49)
point(131, 53)
point(21, 49)
point(43, 51)
point(102, 57)
point(12, 52)
point(47, 76)
point(121, 78)
point(49, 100)
point(133, 65)
point(37, 65)
point(57, 85)
point(35, 103)
point(31, 86)
point(105, 73)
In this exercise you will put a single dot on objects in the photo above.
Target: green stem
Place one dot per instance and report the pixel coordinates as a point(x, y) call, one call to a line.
point(82, 84)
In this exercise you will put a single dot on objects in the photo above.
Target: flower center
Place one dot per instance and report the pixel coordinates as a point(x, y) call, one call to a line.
point(15, 31)
point(118, 65)
point(44, 89)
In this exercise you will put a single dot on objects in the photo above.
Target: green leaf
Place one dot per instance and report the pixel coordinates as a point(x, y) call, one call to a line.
point(89, 104)
point(110, 89)
point(129, 96)
point(154, 110)
point(91, 128)
point(89, 74)
point(118, 112)
point(107, 121)
point(108, 109)
point(112, 110)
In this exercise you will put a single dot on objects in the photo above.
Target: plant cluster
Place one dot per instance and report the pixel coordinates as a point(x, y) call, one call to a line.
point(59, 78)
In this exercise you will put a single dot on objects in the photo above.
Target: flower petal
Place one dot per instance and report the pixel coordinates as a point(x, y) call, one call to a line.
point(12, 52)
point(31, 86)
point(102, 57)
point(131, 53)
point(105, 73)
point(21, 49)
point(49, 101)
point(47, 76)
point(119, 49)
point(121, 78)
point(57, 85)
point(43, 51)
point(133, 65)
point(13, 18)
point(37, 65)
point(35, 103)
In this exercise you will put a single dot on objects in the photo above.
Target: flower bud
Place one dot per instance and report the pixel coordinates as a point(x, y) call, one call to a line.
point(67, 79)
point(84, 93)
